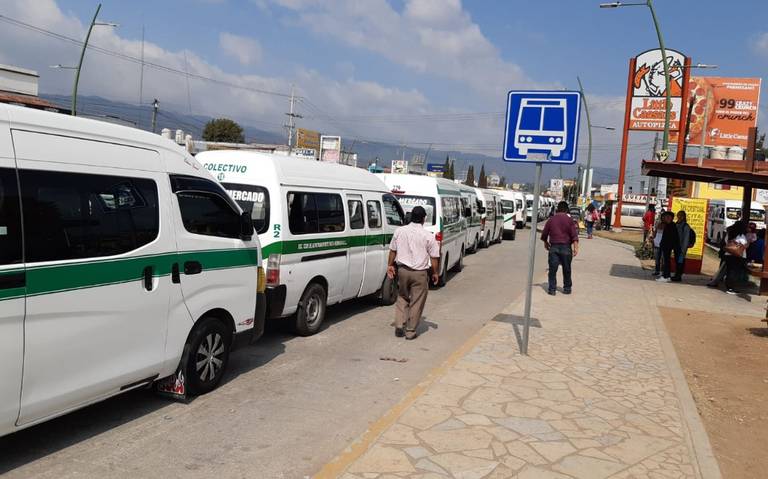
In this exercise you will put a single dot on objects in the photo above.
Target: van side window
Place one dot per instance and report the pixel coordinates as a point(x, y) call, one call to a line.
point(310, 213)
point(374, 214)
point(393, 211)
point(76, 215)
point(356, 220)
point(10, 218)
point(450, 210)
point(206, 209)
point(252, 198)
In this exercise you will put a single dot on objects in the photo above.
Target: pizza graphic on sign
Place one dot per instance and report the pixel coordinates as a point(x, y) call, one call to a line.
point(649, 90)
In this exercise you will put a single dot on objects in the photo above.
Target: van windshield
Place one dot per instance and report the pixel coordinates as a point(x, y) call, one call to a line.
point(410, 202)
point(508, 206)
point(254, 199)
point(754, 215)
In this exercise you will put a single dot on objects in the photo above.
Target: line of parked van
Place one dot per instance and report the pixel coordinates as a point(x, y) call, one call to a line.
point(124, 263)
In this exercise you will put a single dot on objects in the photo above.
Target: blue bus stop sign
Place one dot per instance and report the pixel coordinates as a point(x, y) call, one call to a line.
point(542, 124)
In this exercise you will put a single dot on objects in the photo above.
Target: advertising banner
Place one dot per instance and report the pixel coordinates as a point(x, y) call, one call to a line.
point(648, 108)
point(730, 106)
point(307, 139)
point(696, 213)
point(330, 149)
point(399, 166)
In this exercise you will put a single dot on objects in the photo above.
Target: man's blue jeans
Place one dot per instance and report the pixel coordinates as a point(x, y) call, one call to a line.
point(560, 255)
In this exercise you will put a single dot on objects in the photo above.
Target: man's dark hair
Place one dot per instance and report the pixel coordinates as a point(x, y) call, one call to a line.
point(651, 207)
point(562, 207)
point(668, 213)
point(418, 214)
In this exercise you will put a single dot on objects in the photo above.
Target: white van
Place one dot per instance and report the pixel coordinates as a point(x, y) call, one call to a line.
point(471, 207)
point(441, 199)
point(509, 209)
point(520, 213)
point(724, 213)
point(324, 229)
point(529, 208)
point(492, 217)
point(122, 264)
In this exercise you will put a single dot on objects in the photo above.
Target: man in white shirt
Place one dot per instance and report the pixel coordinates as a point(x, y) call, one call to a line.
point(414, 249)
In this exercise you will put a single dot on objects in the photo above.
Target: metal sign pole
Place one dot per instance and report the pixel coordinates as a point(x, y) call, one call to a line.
point(531, 259)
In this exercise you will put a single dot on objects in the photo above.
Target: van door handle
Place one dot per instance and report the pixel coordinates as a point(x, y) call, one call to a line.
point(175, 276)
point(193, 267)
point(148, 278)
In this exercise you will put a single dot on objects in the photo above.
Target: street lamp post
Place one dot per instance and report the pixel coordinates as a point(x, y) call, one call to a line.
point(667, 79)
point(82, 56)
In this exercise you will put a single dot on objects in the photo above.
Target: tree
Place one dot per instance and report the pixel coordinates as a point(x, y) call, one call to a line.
point(482, 181)
point(452, 174)
point(503, 182)
point(223, 130)
point(470, 181)
point(447, 167)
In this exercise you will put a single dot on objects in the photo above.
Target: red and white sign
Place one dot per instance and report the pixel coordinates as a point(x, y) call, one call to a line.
point(648, 108)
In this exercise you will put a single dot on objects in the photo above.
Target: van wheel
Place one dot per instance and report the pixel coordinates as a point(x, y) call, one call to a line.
point(389, 292)
point(475, 245)
point(206, 355)
point(444, 275)
point(500, 237)
point(460, 264)
point(512, 236)
point(311, 312)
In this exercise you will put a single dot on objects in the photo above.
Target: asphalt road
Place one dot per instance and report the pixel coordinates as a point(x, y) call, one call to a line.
point(288, 404)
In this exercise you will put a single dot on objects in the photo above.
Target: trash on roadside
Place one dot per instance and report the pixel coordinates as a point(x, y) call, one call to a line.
point(396, 360)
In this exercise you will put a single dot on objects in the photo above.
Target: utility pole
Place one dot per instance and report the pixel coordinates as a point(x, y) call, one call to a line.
point(650, 180)
point(155, 105)
point(291, 125)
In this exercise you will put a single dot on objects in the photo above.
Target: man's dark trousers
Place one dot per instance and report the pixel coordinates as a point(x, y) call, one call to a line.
point(560, 254)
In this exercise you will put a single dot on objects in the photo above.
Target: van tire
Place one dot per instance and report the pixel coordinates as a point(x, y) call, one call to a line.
point(389, 292)
point(475, 245)
point(512, 236)
point(459, 264)
point(311, 311)
point(443, 278)
point(210, 339)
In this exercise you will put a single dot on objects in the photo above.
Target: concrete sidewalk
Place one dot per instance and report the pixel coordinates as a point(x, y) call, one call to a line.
point(601, 394)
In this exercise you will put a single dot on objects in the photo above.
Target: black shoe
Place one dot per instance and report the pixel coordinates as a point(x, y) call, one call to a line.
point(566, 291)
point(551, 292)
point(399, 332)
point(676, 279)
point(656, 273)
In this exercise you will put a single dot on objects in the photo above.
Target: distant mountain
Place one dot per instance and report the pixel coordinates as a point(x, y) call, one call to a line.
point(384, 153)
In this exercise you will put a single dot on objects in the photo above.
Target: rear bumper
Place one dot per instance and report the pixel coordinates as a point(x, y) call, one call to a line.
point(250, 336)
point(275, 301)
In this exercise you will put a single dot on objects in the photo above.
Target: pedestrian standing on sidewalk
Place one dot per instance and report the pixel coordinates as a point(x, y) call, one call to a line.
point(670, 243)
point(735, 256)
point(687, 240)
point(658, 233)
point(648, 218)
point(561, 239)
point(589, 219)
point(413, 249)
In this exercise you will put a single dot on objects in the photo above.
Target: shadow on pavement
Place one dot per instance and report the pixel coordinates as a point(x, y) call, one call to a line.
point(517, 322)
point(47, 438)
point(759, 332)
point(628, 271)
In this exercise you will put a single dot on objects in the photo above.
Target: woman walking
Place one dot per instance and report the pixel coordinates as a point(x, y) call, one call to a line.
point(590, 218)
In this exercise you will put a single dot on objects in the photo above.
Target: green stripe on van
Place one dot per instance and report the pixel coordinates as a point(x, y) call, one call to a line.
point(91, 274)
point(329, 244)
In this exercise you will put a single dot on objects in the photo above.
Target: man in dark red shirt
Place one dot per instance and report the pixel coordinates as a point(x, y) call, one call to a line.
point(561, 239)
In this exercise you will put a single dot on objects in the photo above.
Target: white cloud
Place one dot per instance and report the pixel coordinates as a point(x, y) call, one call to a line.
point(245, 50)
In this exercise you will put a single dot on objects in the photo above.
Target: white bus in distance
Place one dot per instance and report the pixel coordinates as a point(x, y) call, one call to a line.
point(324, 228)
point(492, 218)
point(123, 264)
point(471, 212)
point(441, 198)
point(510, 210)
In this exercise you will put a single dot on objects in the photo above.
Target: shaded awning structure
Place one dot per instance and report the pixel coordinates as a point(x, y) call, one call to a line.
point(747, 173)
point(728, 172)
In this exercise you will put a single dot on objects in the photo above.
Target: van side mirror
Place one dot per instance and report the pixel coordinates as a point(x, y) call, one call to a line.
point(468, 212)
point(481, 210)
point(246, 226)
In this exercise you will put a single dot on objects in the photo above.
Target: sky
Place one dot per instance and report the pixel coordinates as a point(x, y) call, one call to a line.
point(410, 72)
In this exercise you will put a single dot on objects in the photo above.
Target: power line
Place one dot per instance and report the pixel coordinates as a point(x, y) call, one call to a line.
point(133, 59)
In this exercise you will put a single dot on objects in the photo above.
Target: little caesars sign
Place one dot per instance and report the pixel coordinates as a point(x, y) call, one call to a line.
point(649, 91)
